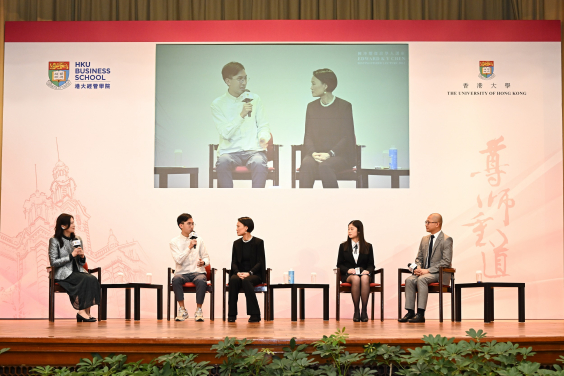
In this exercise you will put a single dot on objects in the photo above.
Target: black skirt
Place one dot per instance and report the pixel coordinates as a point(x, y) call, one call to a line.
point(83, 289)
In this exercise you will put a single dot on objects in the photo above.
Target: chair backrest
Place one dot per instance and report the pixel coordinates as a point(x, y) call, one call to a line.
point(85, 266)
point(208, 272)
point(270, 149)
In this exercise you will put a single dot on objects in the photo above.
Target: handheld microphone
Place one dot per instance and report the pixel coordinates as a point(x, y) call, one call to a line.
point(193, 235)
point(76, 243)
point(412, 266)
point(247, 97)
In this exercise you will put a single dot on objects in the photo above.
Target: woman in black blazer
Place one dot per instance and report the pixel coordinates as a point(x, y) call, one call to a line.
point(356, 263)
point(248, 269)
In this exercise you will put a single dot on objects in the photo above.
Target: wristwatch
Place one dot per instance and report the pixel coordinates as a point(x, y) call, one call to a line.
point(251, 272)
point(331, 153)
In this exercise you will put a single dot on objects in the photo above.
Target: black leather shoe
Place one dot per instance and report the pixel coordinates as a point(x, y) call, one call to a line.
point(356, 316)
point(231, 318)
point(79, 318)
point(418, 318)
point(364, 316)
point(408, 316)
point(254, 318)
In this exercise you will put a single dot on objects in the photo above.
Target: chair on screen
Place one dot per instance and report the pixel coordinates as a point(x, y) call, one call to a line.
point(433, 288)
point(345, 288)
point(243, 173)
point(190, 288)
point(352, 174)
point(54, 287)
point(263, 288)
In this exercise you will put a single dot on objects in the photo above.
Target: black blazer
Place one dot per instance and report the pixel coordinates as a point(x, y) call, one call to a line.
point(257, 257)
point(345, 261)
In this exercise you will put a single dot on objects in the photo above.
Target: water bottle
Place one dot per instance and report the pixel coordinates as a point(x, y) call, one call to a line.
point(393, 153)
point(479, 276)
point(291, 276)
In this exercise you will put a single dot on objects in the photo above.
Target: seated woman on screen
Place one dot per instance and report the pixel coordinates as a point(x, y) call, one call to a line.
point(356, 263)
point(329, 140)
point(248, 269)
point(67, 259)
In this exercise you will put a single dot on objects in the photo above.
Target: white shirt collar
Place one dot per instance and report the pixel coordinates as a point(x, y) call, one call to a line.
point(437, 234)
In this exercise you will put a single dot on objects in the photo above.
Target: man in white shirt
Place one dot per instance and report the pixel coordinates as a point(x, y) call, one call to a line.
point(191, 257)
point(243, 129)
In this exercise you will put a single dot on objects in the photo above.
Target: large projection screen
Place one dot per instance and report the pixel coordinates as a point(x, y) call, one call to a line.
point(481, 136)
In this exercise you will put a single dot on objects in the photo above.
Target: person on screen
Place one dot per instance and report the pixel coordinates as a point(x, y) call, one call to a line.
point(356, 263)
point(191, 257)
point(435, 250)
point(248, 269)
point(329, 140)
point(67, 259)
point(243, 129)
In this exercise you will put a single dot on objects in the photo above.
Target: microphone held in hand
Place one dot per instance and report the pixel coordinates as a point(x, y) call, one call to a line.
point(412, 266)
point(248, 97)
point(193, 235)
point(76, 243)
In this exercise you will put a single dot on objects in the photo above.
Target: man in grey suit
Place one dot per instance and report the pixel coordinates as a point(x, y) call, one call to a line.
point(435, 251)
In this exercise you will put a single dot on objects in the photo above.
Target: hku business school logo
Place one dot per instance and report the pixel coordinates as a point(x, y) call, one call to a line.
point(58, 75)
point(486, 70)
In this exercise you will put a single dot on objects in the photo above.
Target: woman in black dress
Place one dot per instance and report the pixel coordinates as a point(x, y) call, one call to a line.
point(248, 269)
point(67, 259)
point(356, 263)
point(329, 140)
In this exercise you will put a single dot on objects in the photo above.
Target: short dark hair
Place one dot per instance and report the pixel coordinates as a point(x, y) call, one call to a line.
point(328, 77)
point(246, 221)
point(231, 69)
point(182, 218)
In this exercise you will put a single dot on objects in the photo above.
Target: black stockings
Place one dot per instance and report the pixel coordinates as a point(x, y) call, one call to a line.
point(360, 288)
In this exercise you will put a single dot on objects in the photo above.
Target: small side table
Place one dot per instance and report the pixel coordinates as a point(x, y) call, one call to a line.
point(394, 174)
point(489, 298)
point(294, 287)
point(163, 173)
point(136, 299)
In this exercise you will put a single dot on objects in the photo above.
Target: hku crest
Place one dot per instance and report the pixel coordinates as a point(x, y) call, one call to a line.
point(486, 70)
point(59, 75)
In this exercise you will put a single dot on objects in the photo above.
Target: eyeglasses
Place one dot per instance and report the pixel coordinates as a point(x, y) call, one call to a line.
point(427, 222)
point(241, 79)
point(191, 223)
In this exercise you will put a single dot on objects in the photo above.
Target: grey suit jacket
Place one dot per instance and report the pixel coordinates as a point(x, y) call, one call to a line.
point(441, 256)
point(61, 258)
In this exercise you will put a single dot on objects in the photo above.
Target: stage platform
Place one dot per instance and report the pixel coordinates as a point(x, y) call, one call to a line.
point(39, 342)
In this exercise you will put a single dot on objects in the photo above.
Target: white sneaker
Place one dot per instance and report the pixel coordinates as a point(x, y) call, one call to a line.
point(199, 315)
point(182, 314)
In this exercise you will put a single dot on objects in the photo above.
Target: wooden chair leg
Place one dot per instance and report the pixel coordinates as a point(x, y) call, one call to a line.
point(168, 304)
point(372, 314)
point(51, 306)
point(399, 302)
point(382, 304)
point(338, 306)
point(440, 303)
point(452, 305)
point(224, 292)
point(212, 305)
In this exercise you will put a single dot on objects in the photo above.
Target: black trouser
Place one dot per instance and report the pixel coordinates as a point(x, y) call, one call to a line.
point(326, 170)
point(248, 284)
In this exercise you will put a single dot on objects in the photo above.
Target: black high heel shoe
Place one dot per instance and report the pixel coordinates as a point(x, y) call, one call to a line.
point(364, 316)
point(356, 316)
point(79, 318)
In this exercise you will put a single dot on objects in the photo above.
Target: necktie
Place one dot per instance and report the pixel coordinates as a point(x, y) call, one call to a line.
point(355, 249)
point(430, 253)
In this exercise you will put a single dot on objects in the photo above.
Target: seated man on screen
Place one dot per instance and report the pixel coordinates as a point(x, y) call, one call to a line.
point(243, 129)
point(435, 251)
point(191, 257)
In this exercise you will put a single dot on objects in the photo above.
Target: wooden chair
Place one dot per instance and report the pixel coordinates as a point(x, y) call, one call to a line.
point(190, 288)
point(433, 288)
point(243, 173)
point(54, 287)
point(345, 288)
point(263, 288)
point(353, 174)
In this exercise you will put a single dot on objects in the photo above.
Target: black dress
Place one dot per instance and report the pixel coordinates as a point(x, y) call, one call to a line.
point(83, 288)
